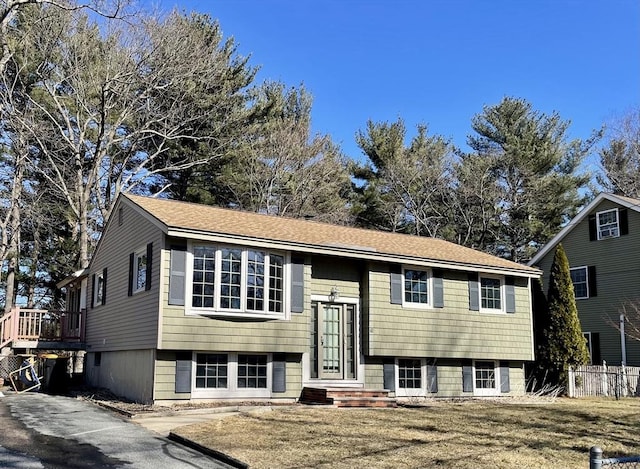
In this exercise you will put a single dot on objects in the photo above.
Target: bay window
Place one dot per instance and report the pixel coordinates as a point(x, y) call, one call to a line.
point(237, 280)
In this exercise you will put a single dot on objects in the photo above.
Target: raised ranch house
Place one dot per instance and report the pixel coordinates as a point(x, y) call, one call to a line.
point(602, 244)
point(191, 302)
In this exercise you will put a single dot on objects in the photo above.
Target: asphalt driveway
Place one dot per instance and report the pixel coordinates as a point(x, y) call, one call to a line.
point(44, 431)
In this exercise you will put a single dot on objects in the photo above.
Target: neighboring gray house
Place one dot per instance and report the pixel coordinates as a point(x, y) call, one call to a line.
point(192, 302)
point(602, 244)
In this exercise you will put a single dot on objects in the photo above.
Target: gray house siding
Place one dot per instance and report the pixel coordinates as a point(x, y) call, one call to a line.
point(124, 322)
point(617, 271)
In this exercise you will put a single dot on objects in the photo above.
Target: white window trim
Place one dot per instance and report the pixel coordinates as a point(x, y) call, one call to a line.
point(412, 392)
point(410, 304)
point(587, 335)
point(216, 310)
point(232, 390)
point(600, 237)
point(98, 300)
point(503, 306)
point(487, 391)
point(586, 271)
point(137, 254)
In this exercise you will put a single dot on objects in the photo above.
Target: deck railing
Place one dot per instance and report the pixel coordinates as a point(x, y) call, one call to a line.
point(35, 325)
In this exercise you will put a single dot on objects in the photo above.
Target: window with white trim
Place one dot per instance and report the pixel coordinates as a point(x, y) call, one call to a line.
point(486, 381)
point(232, 374)
point(416, 288)
point(98, 291)
point(607, 223)
point(491, 294)
point(580, 280)
point(235, 280)
point(139, 271)
point(410, 373)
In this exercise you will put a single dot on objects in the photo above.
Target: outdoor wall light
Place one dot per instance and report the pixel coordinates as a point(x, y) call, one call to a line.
point(334, 294)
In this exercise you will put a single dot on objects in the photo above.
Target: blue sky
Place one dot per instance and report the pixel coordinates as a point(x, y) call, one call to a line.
point(439, 62)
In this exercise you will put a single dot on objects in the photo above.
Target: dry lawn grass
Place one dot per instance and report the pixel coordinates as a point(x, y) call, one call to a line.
point(470, 434)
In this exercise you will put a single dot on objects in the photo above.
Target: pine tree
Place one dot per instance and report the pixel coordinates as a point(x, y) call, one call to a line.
point(565, 345)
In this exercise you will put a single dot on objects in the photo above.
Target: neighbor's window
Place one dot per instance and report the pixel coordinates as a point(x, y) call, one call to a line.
point(608, 224)
point(410, 373)
point(237, 280)
point(139, 271)
point(98, 294)
point(416, 287)
point(490, 293)
point(580, 279)
point(211, 370)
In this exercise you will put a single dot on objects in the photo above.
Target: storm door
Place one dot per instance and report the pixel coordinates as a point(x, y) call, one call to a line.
point(333, 354)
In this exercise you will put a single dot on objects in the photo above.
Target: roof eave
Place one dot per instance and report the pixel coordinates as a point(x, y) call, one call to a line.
point(350, 252)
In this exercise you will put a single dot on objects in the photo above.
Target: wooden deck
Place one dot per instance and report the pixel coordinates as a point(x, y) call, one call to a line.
point(43, 329)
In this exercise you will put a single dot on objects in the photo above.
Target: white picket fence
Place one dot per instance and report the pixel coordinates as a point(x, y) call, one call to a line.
point(596, 380)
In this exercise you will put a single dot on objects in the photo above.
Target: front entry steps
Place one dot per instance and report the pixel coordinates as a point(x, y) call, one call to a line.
point(347, 397)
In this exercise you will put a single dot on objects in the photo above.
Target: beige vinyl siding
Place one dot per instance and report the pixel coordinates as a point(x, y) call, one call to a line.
point(165, 371)
point(450, 332)
point(128, 374)
point(124, 322)
point(617, 262)
point(225, 334)
point(374, 373)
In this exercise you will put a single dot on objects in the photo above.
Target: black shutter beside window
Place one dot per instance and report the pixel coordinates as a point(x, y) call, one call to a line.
point(596, 359)
point(593, 228)
point(624, 221)
point(104, 286)
point(132, 257)
point(593, 284)
point(149, 266)
point(93, 290)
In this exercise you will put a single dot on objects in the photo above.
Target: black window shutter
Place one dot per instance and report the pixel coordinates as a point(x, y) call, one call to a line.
point(505, 386)
point(104, 285)
point(177, 276)
point(297, 285)
point(596, 359)
point(132, 257)
point(593, 235)
point(397, 285)
point(149, 267)
point(593, 282)
point(474, 292)
point(183, 372)
point(389, 376)
point(624, 221)
point(438, 289)
point(510, 295)
point(93, 290)
point(432, 378)
point(279, 371)
point(467, 377)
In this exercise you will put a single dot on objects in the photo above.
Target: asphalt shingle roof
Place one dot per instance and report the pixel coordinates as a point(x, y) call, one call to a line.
point(214, 220)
